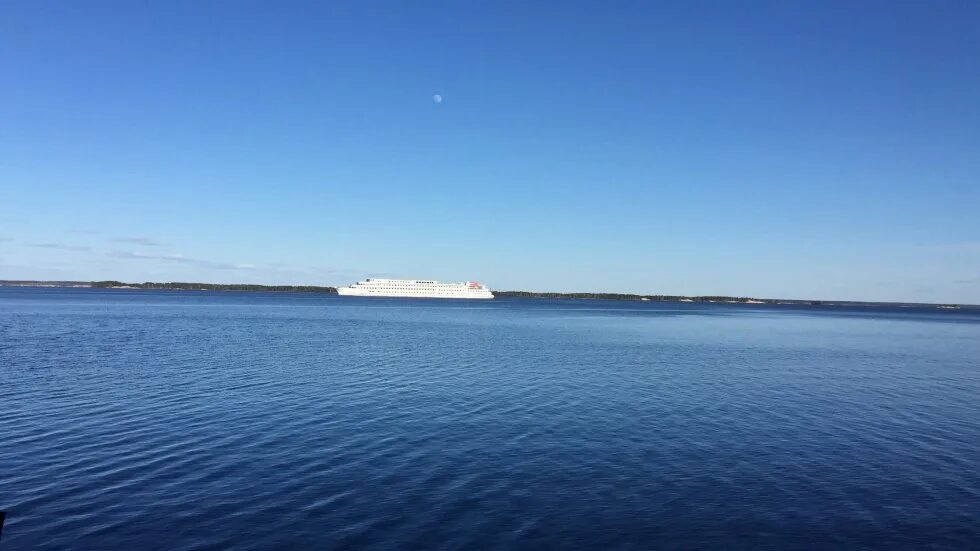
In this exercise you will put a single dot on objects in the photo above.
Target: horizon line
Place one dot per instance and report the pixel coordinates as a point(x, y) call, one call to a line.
point(67, 283)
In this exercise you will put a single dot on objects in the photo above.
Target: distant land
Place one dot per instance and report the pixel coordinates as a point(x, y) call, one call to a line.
point(182, 286)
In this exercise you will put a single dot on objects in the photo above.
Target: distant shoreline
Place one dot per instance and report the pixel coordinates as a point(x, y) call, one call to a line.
point(182, 286)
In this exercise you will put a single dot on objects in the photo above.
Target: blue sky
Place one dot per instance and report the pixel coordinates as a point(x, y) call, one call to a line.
point(779, 149)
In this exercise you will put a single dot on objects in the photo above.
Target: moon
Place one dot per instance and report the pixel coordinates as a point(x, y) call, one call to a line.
point(436, 98)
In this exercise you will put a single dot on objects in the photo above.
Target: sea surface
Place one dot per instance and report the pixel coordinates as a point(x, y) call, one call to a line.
point(137, 419)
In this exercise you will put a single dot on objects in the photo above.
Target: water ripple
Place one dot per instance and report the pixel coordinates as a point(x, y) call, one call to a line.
point(227, 420)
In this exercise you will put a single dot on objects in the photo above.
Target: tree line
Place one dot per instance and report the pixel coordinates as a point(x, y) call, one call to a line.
point(186, 286)
point(182, 286)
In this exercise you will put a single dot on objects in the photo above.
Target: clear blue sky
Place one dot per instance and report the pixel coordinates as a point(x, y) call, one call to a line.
point(779, 149)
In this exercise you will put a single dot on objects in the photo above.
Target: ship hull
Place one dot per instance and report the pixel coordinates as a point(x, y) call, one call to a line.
point(354, 292)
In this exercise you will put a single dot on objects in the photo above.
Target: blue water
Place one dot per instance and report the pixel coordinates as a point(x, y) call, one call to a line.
point(170, 420)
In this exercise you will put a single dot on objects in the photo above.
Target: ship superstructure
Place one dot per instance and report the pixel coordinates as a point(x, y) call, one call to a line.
point(415, 288)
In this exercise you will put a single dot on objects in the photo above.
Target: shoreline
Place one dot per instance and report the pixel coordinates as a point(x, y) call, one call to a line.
point(245, 287)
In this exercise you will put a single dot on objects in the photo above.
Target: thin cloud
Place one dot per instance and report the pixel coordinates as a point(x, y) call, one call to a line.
point(145, 256)
point(145, 241)
point(224, 266)
point(180, 259)
point(59, 246)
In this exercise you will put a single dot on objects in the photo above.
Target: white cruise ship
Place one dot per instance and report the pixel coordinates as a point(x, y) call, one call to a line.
point(412, 288)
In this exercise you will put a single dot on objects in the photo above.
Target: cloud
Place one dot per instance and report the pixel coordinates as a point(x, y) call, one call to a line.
point(968, 281)
point(145, 241)
point(126, 254)
point(180, 259)
point(224, 266)
point(59, 246)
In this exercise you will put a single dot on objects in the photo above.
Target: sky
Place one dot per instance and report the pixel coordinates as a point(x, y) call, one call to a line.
point(822, 150)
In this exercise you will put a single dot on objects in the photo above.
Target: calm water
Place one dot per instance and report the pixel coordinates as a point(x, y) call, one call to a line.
point(157, 420)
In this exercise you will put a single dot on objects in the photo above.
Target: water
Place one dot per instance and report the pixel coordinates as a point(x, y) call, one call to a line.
point(167, 420)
